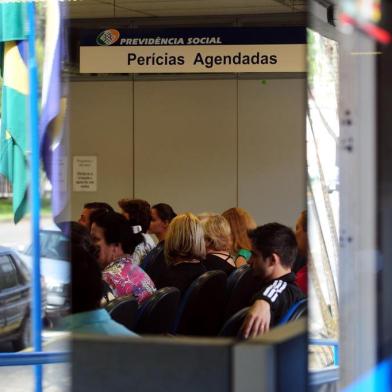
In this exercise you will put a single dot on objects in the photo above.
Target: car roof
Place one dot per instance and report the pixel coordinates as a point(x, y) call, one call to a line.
point(6, 249)
point(50, 231)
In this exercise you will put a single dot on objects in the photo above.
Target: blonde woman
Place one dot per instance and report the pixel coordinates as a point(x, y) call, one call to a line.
point(240, 223)
point(184, 251)
point(217, 235)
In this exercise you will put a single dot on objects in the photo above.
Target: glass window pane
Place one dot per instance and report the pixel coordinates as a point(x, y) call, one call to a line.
point(8, 273)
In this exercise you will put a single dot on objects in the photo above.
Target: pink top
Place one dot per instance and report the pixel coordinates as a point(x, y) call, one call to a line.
point(126, 278)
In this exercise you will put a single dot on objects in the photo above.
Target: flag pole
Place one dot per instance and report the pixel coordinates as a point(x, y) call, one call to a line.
point(35, 194)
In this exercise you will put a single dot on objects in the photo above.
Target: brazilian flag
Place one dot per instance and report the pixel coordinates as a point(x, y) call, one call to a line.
point(14, 125)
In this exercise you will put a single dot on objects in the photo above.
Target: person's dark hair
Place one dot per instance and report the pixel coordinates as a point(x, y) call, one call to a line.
point(117, 230)
point(275, 238)
point(78, 235)
point(164, 211)
point(97, 205)
point(139, 212)
point(87, 284)
point(98, 212)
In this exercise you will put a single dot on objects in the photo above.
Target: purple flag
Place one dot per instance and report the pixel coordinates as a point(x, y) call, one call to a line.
point(52, 128)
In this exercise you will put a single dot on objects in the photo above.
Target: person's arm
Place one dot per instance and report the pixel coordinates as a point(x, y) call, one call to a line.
point(267, 302)
point(240, 261)
point(257, 320)
point(243, 257)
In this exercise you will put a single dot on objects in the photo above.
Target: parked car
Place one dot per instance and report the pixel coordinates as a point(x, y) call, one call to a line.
point(15, 300)
point(55, 269)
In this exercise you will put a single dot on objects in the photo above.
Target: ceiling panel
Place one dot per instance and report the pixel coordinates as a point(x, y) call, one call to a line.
point(212, 11)
point(90, 11)
point(193, 3)
point(97, 9)
point(148, 8)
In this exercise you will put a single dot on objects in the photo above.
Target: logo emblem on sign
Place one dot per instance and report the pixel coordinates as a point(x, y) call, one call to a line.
point(108, 37)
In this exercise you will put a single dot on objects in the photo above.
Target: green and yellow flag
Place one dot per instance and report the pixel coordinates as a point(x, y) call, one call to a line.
point(14, 125)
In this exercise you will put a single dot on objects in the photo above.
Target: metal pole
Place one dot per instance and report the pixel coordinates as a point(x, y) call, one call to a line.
point(35, 195)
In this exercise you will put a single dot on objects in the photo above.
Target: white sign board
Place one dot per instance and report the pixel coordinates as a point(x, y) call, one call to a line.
point(84, 173)
point(193, 59)
point(194, 50)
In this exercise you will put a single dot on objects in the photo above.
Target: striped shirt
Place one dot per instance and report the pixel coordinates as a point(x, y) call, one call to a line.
point(281, 294)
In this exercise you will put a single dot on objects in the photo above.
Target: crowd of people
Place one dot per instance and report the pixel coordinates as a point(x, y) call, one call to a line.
point(114, 254)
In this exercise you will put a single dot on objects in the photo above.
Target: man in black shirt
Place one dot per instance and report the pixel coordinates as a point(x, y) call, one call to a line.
point(274, 249)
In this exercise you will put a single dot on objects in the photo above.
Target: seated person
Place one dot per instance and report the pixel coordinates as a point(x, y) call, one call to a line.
point(184, 250)
point(138, 214)
point(240, 222)
point(154, 262)
point(274, 249)
point(217, 237)
point(89, 208)
point(87, 291)
point(116, 242)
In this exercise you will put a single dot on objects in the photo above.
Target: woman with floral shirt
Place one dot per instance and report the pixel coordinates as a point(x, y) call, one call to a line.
point(116, 241)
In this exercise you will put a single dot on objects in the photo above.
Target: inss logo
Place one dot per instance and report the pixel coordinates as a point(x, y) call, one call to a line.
point(108, 37)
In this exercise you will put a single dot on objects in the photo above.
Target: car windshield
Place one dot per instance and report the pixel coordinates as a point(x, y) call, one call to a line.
point(54, 245)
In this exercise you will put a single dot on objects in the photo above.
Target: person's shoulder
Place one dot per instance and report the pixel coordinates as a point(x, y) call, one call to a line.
point(288, 278)
point(272, 289)
point(273, 285)
point(149, 241)
point(117, 329)
point(136, 270)
point(215, 263)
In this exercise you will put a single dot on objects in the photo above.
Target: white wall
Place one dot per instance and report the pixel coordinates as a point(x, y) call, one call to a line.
point(199, 145)
point(101, 124)
point(185, 143)
point(271, 149)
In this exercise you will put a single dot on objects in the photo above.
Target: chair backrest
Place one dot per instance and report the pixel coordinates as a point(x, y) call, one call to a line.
point(157, 313)
point(295, 312)
point(154, 264)
point(242, 285)
point(150, 257)
point(123, 310)
point(107, 292)
point(201, 308)
point(232, 326)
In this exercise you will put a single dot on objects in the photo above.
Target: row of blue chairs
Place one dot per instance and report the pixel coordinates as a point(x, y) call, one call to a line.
point(209, 302)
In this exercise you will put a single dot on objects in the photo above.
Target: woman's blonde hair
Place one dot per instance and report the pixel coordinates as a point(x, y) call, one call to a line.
point(185, 239)
point(203, 216)
point(240, 222)
point(217, 233)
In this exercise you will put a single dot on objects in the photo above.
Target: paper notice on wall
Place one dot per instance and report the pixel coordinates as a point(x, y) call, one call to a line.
point(84, 173)
point(63, 173)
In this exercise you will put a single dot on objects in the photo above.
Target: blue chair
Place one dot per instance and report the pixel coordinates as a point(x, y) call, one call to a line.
point(150, 257)
point(157, 313)
point(123, 310)
point(232, 327)
point(242, 285)
point(296, 311)
point(201, 308)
